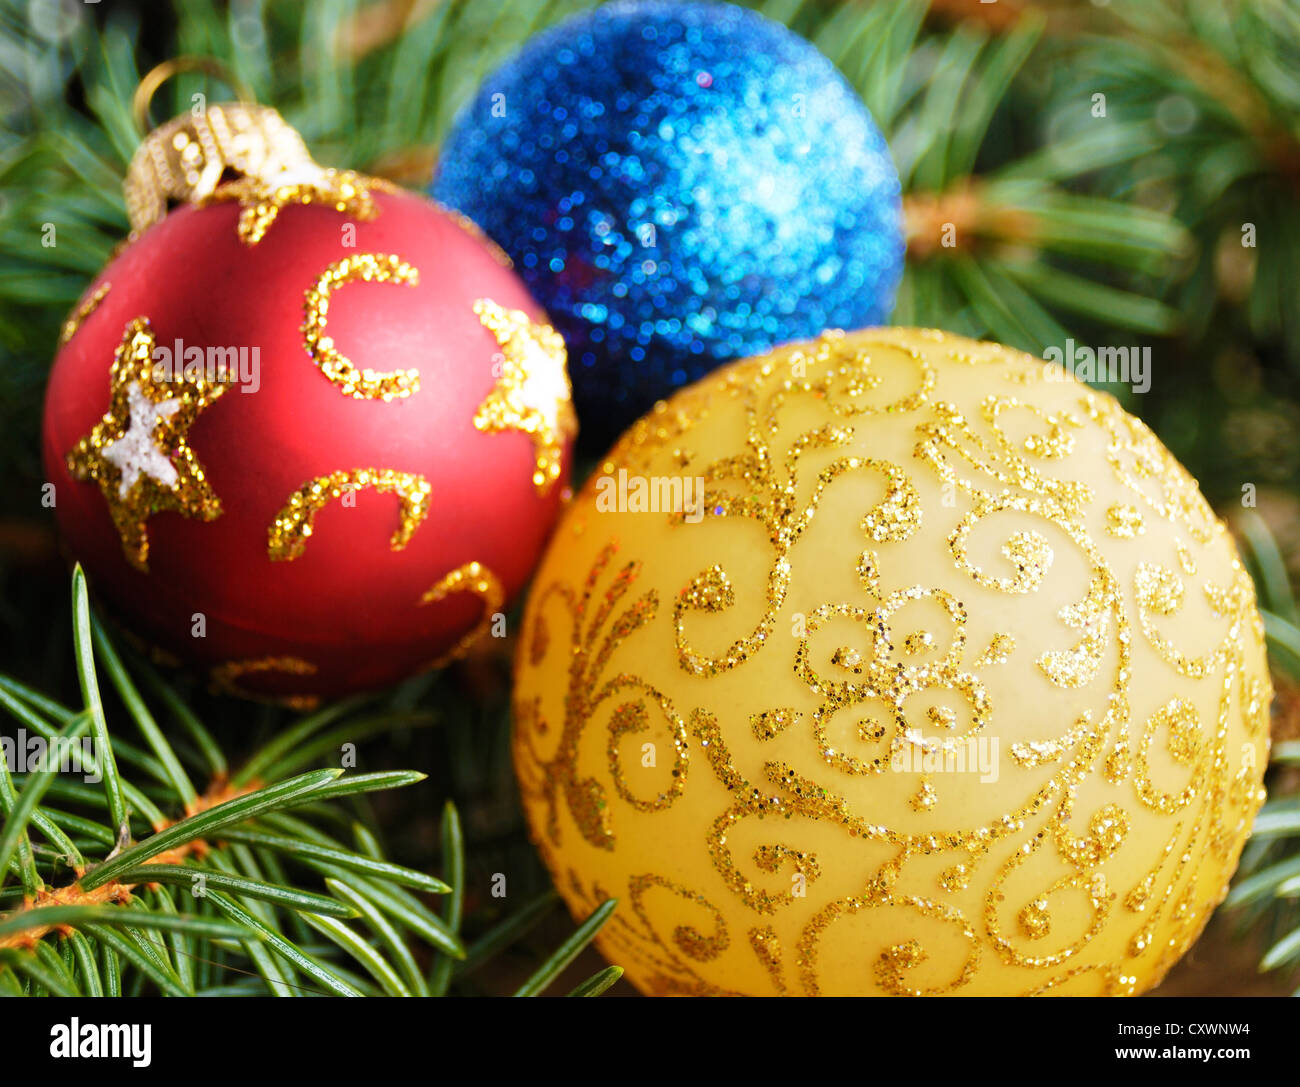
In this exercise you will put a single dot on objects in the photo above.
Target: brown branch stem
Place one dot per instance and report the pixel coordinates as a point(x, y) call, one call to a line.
point(117, 892)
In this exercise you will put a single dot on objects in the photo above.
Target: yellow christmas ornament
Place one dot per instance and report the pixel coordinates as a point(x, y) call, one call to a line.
point(892, 663)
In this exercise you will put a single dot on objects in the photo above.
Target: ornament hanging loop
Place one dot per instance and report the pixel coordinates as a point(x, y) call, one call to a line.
point(183, 160)
point(169, 69)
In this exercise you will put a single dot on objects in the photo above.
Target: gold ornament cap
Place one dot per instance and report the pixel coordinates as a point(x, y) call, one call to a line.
point(184, 160)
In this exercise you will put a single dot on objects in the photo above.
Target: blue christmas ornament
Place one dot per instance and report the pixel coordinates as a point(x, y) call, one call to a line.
point(679, 184)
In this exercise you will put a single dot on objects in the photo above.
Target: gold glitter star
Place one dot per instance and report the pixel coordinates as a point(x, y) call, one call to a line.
point(261, 199)
point(137, 453)
point(532, 394)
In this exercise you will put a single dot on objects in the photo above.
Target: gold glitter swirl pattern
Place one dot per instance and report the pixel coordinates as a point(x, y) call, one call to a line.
point(957, 687)
point(532, 393)
point(84, 309)
point(364, 384)
point(767, 946)
point(588, 690)
point(225, 679)
point(288, 534)
point(770, 500)
point(1124, 521)
point(138, 453)
point(261, 199)
point(687, 939)
point(473, 578)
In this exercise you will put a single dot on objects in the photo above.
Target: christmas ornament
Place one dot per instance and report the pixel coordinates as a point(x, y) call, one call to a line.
point(306, 429)
point(679, 184)
point(892, 663)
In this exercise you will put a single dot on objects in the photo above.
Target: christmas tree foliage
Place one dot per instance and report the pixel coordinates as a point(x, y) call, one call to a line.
point(1119, 174)
point(102, 864)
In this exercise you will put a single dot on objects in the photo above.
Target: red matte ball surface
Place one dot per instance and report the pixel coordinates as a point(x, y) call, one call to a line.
point(357, 606)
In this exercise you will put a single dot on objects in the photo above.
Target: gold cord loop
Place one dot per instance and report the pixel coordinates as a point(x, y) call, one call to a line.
point(160, 73)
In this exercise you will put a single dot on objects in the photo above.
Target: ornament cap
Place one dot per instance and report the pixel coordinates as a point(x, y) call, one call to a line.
point(184, 160)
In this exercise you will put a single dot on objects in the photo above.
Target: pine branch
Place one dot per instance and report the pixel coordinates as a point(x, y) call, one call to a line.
point(182, 891)
point(1266, 894)
point(999, 245)
point(1217, 84)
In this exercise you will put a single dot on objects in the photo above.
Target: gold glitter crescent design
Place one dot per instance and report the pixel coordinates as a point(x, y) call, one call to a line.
point(532, 394)
point(750, 727)
point(287, 537)
point(261, 200)
point(84, 309)
point(138, 453)
point(473, 578)
point(225, 679)
point(338, 368)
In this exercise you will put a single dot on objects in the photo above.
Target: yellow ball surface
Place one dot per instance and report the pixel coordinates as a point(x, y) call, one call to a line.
point(951, 683)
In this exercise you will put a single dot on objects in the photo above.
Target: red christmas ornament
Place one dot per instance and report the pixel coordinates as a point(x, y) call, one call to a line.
point(306, 430)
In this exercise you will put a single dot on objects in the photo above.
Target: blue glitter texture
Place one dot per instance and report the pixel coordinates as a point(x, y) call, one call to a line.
point(679, 184)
